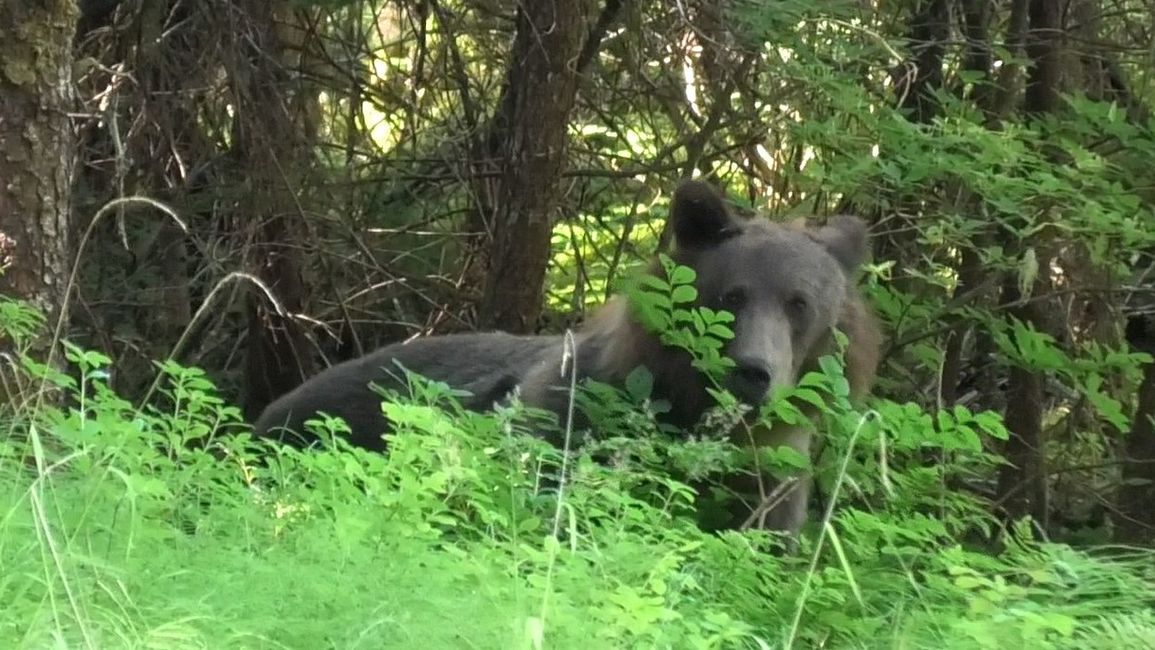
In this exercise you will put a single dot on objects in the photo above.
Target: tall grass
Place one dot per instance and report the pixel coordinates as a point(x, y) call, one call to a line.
point(167, 527)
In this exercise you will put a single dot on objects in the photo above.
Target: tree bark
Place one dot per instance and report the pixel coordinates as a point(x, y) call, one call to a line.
point(916, 81)
point(1023, 486)
point(168, 69)
point(527, 144)
point(927, 34)
point(1045, 50)
point(273, 135)
point(971, 272)
point(1135, 518)
point(36, 150)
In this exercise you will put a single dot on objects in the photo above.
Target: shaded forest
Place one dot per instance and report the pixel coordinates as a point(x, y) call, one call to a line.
point(262, 189)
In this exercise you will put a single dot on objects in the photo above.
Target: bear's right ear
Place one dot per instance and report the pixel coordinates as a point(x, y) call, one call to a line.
point(700, 217)
point(847, 239)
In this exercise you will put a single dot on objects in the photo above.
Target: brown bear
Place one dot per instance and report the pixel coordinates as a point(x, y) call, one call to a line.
point(787, 287)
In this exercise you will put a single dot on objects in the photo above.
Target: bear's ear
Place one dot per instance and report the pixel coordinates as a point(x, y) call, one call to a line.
point(700, 218)
point(847, 239)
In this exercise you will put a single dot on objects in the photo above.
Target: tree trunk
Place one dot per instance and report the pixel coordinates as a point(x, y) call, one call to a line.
point(1135, 518)
point(169, 72)
point(272, 139)
point(971, 271)
point(527, 143)
point(36, 149)
point(1045, 51)
point(927, 34)
point(916, 81)
point(1023, 486)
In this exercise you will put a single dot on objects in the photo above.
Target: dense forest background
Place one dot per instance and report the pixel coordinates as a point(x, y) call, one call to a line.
point(264, 188)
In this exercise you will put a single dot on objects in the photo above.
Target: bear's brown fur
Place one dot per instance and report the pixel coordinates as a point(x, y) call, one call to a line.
point(787, 287)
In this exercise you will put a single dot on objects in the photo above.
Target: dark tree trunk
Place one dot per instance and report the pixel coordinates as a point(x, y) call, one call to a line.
point(1009, 86)
point(927, 36)
point(527, 143)
point(36, 149)
point(971, 272)
point(1045, 50)
point(170, 135)
point(1023, 486)
point(272, 139)
point(1135, 517)
point(916, 81)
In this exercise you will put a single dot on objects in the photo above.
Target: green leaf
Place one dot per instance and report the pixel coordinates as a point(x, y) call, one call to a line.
point(684, 294)
point(720, 331)
point(639, 383)
point(655, 283)
point(682, 275)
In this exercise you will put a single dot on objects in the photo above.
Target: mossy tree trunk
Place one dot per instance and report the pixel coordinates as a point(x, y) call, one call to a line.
point(36, 149)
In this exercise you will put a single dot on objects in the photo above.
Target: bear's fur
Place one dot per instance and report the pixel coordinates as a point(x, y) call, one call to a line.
point(788, 286)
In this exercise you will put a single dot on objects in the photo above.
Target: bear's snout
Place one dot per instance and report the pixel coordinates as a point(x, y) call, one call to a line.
point(750, 380)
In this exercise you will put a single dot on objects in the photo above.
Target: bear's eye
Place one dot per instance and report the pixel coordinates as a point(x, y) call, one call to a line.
point(797, 304)
point(734, 299)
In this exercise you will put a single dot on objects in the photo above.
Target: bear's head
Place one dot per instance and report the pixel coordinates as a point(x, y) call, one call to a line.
point(786, 286)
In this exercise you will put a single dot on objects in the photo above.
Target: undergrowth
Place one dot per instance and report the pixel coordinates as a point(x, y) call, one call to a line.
point(167, 526)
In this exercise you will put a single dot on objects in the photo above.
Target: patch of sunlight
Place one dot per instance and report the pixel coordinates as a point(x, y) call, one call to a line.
point(380, 130)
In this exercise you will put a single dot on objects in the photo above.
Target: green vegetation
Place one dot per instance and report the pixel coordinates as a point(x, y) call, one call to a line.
point(333, 175)
point(156, 528)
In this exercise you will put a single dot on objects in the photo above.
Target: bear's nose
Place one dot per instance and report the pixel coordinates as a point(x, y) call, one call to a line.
point(751, 380)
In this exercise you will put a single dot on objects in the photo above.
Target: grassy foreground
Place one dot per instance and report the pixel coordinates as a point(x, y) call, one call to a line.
point(130, 528)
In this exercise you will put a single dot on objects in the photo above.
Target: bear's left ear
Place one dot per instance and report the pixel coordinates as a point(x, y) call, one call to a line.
point(847, 239)
point(700, 218)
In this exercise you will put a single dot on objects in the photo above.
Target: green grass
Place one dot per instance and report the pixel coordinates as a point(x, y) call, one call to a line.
point(116, 534)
